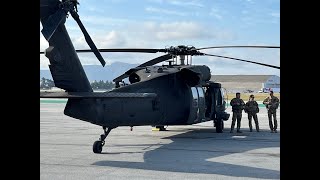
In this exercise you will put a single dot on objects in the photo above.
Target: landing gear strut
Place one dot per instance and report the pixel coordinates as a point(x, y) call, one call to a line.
point(97, 146)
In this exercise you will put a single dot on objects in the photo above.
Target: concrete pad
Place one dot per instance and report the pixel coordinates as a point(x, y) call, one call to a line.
point(181, 152)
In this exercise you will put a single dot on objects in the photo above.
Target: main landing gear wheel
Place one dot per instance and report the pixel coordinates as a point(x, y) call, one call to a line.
point(97, 145)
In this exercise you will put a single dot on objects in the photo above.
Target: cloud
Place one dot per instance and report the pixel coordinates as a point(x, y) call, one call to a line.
point(111, 39)
point(95, 9)
point(115, 1)
point(186, 3)
point(173, 24)
point(226, 66)
point(275, 14)
point(143, 35)
point(175, 30)
point(156, 1)
point(244, 12)
point(254, 21)
point(100, 20)
point(221, 62)
point(43, 43)
point(216, 13)
point(164, 11)
point(192, 3)
point(44, 62)
point(106, 40)
point(184, 30)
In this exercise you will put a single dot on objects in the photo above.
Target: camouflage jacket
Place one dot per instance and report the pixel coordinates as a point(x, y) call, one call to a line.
point(251, 107)
point(237, 105)
point(271, 103)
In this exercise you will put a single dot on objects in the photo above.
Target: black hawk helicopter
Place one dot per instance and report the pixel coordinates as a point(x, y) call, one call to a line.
point(175, 94)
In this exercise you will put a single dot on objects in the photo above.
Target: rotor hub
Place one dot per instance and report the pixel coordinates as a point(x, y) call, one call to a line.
point(69, 5)
point(182, 50)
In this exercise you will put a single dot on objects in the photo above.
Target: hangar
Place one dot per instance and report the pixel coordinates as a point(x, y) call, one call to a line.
point(247, 83)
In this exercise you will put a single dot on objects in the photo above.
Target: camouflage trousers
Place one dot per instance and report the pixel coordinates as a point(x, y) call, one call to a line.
point(273, 126)
point(255, 118)
point(236, 116)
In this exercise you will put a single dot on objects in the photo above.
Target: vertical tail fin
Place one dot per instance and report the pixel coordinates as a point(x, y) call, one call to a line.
point(65, 66)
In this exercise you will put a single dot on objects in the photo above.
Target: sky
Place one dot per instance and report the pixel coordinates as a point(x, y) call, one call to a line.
point(164, 23)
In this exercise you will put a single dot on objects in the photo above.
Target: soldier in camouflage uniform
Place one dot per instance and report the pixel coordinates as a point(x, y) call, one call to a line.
point(252, 108)
point(272, 104)
point(237, 107)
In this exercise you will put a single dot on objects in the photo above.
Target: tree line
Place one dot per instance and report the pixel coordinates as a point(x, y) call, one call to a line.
point(102, 85)
point(48, 84)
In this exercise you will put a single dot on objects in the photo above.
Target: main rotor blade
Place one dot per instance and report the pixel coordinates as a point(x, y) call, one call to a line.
point(156, 60)
point(52, 23)
point(239, 47)
point(148, 63)
point(242, 60)
point(88, 38)
point(135, 50)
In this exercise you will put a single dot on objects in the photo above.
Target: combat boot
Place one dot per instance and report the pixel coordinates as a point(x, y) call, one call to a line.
point(232, 127)
point(238, 127)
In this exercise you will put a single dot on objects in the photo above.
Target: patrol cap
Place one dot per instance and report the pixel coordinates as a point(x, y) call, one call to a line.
point(252, 96)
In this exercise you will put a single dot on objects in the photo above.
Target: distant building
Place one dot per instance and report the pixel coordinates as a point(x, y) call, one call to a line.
point(248, 83)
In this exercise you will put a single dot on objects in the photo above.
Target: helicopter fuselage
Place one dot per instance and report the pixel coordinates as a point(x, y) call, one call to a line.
point(179, 99)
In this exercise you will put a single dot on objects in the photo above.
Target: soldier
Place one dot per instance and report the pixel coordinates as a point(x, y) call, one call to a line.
point(272, 104)
point(237, 107)
point(252, 108)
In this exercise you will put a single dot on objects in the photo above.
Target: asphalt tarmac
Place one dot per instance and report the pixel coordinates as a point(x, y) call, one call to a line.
point(181, 152)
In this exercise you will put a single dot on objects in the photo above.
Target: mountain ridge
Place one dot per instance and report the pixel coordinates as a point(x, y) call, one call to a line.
point(97, 72)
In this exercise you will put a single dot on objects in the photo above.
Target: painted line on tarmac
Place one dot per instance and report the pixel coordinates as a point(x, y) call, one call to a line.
point(53, 100)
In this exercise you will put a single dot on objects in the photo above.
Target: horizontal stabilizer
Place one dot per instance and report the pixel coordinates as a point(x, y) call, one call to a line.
point(95, 95)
